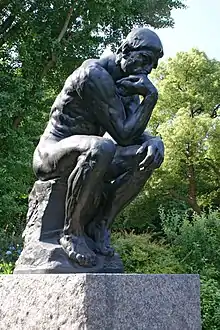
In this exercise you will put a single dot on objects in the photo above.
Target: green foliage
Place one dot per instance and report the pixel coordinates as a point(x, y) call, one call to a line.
point(210, 304)
point(140, 215)
point(6, 268)
point(10, 249)
point(142, 255)
point(172, 221)
point(189, 90)
point(45, 34)
point(196, 240)
point(41, 43)
point(144, 212)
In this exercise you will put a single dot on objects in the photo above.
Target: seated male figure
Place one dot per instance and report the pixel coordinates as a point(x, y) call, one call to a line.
point(95, 139)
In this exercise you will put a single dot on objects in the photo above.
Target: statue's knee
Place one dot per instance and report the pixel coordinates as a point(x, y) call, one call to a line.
point(108, 147)
point(103, 149)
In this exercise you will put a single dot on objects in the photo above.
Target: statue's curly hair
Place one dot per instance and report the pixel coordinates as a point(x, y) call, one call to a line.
point(141, 38)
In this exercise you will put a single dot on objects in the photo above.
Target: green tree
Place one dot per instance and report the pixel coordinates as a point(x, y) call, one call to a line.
point(63, 33)
point(41, 42)
point(188, 92)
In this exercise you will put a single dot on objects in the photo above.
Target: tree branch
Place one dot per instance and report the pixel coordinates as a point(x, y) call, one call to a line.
point(187, 200)
point(49, 65)
point(7, 24)
point(65, 25)
point(4, 3)
point(53, 59)
point(214, 113)
point(12, 31)
point(179, 87)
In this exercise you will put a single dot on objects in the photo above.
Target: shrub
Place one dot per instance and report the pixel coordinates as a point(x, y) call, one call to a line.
point(140, 215)
point(142, 255)
point(196, 245)
point(10, 249)
point(210, 304)
point(196, 241)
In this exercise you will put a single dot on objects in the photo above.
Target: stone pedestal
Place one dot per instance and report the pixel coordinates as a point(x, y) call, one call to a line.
point(99, 302)
point(42, 251)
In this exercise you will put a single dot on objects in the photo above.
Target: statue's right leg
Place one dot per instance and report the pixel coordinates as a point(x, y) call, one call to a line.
point(90, 157)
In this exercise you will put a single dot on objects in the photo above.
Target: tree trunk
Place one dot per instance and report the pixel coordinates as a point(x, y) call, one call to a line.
point(192, 195)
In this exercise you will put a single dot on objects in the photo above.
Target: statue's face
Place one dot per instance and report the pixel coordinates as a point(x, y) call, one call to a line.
point(139, 61)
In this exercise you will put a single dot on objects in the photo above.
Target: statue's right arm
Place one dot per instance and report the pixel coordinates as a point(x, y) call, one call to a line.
point(100, 91)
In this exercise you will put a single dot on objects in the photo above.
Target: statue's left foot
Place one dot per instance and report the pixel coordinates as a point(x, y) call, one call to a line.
point(104, 250)
point(101, 236)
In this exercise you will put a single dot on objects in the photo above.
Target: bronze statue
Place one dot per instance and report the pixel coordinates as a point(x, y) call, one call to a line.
point(95, 141)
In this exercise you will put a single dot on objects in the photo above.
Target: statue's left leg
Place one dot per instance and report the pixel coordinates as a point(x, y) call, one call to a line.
point(124, 181)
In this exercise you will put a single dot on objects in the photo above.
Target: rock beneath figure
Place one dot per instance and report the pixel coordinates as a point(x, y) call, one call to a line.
point(42, 252)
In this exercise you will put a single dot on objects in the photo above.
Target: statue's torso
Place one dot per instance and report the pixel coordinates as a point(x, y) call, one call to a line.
point(71, 114)
point(73, 118)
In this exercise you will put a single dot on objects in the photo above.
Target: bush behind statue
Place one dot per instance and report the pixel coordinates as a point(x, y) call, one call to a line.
point(195, 242)
point(141, 254)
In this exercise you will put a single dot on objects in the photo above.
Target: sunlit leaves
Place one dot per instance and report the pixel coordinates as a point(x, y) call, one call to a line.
point(189, 90)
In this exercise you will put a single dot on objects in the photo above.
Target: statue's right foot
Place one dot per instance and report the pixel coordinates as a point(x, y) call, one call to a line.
point(77, 250)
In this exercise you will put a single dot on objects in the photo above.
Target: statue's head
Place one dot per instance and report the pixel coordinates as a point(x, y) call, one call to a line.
point(139, 52)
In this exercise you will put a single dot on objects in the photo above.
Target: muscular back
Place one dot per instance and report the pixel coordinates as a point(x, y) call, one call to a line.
point(70, 114)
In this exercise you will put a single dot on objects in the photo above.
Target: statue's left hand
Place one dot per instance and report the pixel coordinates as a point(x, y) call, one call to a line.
point(155, 154)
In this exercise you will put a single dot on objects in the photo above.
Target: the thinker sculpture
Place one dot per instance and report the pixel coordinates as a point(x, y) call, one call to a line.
point(96, 144)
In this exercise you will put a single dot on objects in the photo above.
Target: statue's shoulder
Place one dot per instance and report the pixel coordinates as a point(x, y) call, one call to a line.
point(88, 65)
point(80, 74)
point(93, 68)
point(91, 72)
